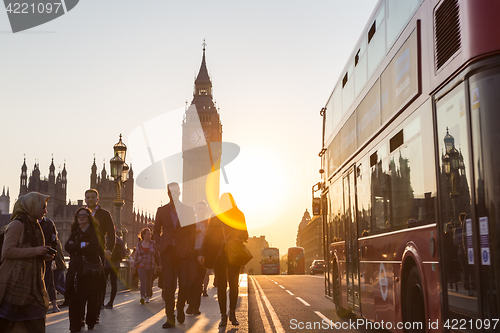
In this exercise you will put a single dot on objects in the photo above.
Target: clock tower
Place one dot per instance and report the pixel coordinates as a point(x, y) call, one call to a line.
point(201, 141)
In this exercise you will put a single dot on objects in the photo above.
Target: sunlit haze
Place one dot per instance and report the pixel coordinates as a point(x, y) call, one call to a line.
point(68, 88)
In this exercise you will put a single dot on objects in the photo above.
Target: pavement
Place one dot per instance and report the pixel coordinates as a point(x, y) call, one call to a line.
point(128, 315)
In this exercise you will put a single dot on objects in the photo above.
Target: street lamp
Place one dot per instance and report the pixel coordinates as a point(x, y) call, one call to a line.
point(451, 162)
point(119, 172)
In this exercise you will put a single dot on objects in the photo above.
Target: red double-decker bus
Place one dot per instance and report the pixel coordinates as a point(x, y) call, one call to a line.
point(296, 261)
point(410, 187)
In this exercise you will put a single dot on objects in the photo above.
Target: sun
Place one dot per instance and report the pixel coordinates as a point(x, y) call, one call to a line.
point(255, 181)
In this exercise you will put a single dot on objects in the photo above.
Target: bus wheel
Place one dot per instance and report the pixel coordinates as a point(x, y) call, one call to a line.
point(414, 302)
point(341, 312)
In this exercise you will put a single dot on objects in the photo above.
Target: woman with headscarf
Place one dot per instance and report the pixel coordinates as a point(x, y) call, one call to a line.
point(23, 297)
point(229, 223)
point(85, 270)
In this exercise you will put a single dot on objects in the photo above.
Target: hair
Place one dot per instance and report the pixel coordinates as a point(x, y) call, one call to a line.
point(201, 202)
point(226, 202)
point(168, 189)
point(91, 190)
point(92, 221)
point(143, 233)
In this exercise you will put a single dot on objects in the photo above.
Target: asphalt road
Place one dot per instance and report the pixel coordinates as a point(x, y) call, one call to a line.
point(282, 303)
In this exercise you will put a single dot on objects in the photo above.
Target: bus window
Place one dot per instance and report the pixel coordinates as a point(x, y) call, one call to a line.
point(398, 14)
point(380, 190)
point(363, 196)
point(376, 41)
point(456, 220)
point(412, 172)
point(484, 101)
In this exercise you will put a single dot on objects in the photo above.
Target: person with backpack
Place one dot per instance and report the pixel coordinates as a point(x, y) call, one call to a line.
point(111, 268)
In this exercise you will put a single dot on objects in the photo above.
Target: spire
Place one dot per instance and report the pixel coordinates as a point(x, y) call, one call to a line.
point(94, 167)
point(202, 96)
point(3, 192)
point(203, 77)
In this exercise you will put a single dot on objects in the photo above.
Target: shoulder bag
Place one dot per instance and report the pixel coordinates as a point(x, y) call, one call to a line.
point(236, 252)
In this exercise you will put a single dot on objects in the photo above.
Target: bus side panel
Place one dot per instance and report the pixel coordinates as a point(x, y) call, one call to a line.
point(377, 289)
point(381, 269)
point(477, 25)
point(366, 290)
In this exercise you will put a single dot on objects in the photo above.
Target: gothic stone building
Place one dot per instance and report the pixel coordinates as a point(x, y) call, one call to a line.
point(62, 212)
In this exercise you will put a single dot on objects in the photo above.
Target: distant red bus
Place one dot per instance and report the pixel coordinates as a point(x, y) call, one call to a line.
point(410, 187)
point(296, 261)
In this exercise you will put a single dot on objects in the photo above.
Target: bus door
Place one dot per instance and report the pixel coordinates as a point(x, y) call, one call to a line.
point(467, 126)
point(351, 247)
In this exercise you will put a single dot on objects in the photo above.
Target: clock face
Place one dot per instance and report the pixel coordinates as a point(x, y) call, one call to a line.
point(199, 137)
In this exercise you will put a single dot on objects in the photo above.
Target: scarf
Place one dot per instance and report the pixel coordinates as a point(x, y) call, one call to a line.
point(25, 284)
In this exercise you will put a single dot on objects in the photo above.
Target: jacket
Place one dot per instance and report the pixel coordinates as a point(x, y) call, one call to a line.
point(13, 249)
point(217, 234)
point(106, 228)
point(184, 236)
point(147, 260)
point(91, 253)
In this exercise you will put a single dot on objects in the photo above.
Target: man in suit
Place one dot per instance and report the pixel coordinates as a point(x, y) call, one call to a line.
point(106, 228)
point(174, 234)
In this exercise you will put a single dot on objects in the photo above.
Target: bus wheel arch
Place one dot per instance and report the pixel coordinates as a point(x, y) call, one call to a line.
point(412, 296)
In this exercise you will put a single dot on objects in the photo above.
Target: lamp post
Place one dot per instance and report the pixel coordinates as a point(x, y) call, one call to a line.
point(119, 172)
point(451, 163)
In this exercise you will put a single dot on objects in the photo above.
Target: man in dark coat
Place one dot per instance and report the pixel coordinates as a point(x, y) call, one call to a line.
point(174, 233)
point(106, 228)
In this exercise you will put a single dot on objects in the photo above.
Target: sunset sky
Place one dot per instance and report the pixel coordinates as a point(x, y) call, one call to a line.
point(69, 87)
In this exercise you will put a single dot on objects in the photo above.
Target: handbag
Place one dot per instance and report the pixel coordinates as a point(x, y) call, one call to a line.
point(236, 252)
point(90, 268)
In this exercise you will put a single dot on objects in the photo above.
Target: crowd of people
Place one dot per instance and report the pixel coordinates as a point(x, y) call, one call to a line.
point(182, 248)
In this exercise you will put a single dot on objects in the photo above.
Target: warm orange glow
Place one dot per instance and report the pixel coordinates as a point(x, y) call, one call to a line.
point(228, 217)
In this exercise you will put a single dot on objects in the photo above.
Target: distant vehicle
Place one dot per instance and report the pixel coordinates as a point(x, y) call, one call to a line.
point(270, 261)
point(296, 261)
point(317, 266)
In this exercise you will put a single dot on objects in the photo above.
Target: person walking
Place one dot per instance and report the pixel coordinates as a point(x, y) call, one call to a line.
point(145, 260)
point(106, 228)
point(229, 223)
point(111, 268)
point(196, 271)
point(60, 271)
point(174, 233)
point(23, 297)
point(85, 270)
point(50, 234)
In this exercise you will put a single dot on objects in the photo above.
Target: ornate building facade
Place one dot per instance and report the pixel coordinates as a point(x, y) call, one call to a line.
point(310, 237)
point(201, 141)
point(5, 202)
point(62, 212)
